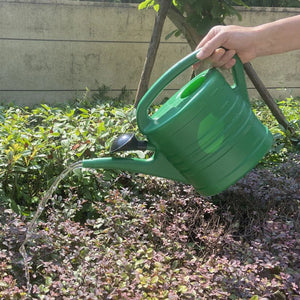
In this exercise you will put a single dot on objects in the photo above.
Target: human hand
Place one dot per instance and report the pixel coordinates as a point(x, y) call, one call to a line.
point(249, 42)
point(222, 42)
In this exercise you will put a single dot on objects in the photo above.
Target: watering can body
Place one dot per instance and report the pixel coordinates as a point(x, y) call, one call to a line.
point(206, 134)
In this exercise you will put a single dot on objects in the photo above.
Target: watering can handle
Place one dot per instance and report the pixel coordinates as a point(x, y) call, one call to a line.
point(143, 118)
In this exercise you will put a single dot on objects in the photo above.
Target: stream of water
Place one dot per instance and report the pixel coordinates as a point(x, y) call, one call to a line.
point(40, 209)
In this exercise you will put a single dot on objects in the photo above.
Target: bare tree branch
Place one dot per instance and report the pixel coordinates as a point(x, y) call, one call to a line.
point(152, 50)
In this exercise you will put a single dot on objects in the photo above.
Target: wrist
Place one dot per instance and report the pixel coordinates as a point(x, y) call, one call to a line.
point(262, 41)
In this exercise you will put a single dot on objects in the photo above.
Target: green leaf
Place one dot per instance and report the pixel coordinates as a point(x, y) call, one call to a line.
point(175, 3)
point(120, 113)
point(154, 279)
point(156, 7)
point(170, 34)
point(46, 107)
point(183, 289)
point(146, 4)
point(71, 113)
point(48, 281)
point(15, 207)
point(240, 2)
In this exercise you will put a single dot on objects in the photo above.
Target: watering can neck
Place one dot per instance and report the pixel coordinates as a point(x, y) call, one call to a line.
point(157, 165)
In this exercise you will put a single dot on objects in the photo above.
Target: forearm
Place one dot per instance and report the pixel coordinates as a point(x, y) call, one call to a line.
point(249, 42)
point(277, 37)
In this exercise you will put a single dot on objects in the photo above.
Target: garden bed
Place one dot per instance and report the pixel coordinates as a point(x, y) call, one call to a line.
point(108, 235)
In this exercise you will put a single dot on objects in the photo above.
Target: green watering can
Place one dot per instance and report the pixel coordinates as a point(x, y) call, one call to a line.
point(205, 135)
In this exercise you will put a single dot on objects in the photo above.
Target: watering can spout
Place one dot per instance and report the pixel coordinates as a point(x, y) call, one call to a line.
point(157, 165)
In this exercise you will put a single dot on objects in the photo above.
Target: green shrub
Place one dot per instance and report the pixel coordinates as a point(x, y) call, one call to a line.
point(37, 144)
point(284, 140)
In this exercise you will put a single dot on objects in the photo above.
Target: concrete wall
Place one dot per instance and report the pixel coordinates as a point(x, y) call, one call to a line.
point(52, 51)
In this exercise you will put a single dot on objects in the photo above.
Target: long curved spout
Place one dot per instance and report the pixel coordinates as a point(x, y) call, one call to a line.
point(157, 165)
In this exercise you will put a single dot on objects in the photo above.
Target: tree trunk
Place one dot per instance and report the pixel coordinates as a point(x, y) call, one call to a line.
point(152, 50)
point(277, 113)
point(191, 35)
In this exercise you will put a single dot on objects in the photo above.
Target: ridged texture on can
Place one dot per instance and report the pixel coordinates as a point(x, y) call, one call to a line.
point(210, 136)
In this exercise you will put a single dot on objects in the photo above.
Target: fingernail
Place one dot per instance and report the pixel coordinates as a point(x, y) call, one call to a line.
point(199, 54)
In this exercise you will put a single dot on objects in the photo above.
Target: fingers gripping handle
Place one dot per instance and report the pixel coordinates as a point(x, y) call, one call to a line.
point(143, 118)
